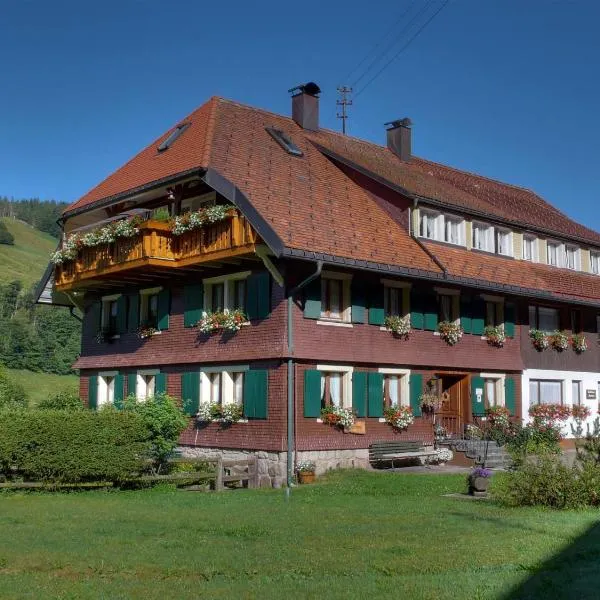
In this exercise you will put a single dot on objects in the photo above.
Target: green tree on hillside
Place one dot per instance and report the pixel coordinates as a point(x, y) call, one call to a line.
point(6, 237)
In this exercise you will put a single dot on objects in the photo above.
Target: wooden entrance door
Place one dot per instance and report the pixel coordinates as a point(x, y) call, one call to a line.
point(454, 412)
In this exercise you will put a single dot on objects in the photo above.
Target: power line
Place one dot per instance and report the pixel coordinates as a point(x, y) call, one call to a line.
point(390, 30)
point(394, 41)
point(410, 41)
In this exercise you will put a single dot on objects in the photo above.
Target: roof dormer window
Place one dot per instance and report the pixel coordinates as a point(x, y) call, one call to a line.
point(529, 248)
point(572, 260)
point(483, 237)
point(595, 262)
point(504, 242)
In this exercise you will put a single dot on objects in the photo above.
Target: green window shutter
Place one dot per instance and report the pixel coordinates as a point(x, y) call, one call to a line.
point(95, 315)
point(119, 390)
point(93, 392)
point(415, 383)
point(375, 395)
point(359, 393)
point(164, 307)
point(256, 394)
point(312, 393)
point(430, 312)
point(509, 319)
point(465, 313)
point(312, 302)
point(131, 384)
point(258, 295)
point(190, 392)
point(376, 310)
point(134, 312)
point(160, 383)
point(122, 314)
point(478, 316)
point(510, 400)
point(417, 320)
point(193, 299)
point(478, 408)
point(358, 302)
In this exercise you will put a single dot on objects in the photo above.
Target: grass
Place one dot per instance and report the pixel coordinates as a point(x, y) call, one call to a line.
point(29, 256)
point(354, 535)
point(42, 385)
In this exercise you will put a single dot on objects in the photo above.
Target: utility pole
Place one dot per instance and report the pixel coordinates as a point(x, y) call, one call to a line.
point(344, 102)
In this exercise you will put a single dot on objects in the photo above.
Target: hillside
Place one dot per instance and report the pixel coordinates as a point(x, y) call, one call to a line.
point(28, 258)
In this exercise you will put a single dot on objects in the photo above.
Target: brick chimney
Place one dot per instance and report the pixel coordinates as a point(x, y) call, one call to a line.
point(399, 136)
point(305, 105)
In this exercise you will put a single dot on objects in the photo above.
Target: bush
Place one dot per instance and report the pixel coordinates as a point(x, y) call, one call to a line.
point(534, 439)
point(6, 237)
point(62, 401)
point(72, 446)
point(164, 420)
point(12, 394)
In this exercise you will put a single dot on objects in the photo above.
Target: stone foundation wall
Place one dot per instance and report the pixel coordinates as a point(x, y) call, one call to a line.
point(272, 466)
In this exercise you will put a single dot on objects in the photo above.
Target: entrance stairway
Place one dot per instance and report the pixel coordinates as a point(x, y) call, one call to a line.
point(485, 453)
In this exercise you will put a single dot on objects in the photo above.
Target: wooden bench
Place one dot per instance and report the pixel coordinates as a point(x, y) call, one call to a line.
point(391, 451)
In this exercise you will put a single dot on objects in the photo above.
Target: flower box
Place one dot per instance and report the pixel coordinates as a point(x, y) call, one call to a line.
point(450, 332)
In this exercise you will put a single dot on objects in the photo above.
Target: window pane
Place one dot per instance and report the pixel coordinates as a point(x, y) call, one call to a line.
point(394, 391)
point(392, 301)
point(150, 380)
point(552, 255)
point(445, 307)
point(215, 387)
point(548, 318)
point(490, 314)
point(335, 388)
point(335, 297)
point(238, 388)
point(550, 392)
point(490, 392)
point(576, 392)
point(532, 317)
point(218, 297)
point(239, 295)
point(534, 397)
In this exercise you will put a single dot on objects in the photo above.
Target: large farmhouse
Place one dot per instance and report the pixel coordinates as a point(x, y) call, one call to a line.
point(256, 261)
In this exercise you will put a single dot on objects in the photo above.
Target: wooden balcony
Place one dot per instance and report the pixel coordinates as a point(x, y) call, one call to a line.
point(156, 250)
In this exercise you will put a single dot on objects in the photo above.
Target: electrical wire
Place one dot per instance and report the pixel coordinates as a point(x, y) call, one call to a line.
point(410, 41)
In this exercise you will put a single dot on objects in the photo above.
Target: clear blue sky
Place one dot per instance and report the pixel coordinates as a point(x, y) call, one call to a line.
point(505, 88)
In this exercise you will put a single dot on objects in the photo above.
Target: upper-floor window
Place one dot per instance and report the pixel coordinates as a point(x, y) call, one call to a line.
point(226, 292)
point(553, 253)
point(110, 314)
point(595, 262)
point(448, 307)
point(483, 237)
point(444, 228)
point(529, 248)
point(543, 318)
point(504, 242)
point(149, 307)
point(335, 297)
point(395, 298)
point(494, 312)
point(572, 260)
point(455, 230)
point(576, 325)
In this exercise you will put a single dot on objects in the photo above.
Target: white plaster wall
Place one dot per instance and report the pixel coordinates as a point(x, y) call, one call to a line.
point(589, 381)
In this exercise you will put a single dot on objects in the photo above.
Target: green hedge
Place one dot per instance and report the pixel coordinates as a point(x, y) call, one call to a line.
point(72, 446)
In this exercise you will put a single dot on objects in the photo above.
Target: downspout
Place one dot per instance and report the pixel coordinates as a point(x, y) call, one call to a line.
point(291, 441)
point(423, 247)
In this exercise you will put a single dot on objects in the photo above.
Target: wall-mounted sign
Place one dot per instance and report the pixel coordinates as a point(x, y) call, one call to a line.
point(479, 394)
point(590, 394)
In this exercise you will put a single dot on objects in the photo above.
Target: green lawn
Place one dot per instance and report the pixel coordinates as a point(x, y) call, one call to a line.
point(41, 385)
point(29, 256)
point(356, 535)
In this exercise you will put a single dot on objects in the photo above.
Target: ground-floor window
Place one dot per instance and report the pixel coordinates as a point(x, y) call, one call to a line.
point(576, 392)
point(106, 388)
point(542, 391)
point(336, 386)
point(146, 384)
point(395, 387)
point(222, 386)
point(493, 389)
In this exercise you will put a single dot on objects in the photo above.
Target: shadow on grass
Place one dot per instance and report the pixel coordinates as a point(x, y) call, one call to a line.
point(572, 573)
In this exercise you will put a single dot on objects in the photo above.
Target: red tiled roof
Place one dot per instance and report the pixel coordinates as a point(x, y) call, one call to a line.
point(313, 206)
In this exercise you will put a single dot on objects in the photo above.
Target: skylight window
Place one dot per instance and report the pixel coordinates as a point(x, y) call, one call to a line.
point(284, 141)
point(173, 136)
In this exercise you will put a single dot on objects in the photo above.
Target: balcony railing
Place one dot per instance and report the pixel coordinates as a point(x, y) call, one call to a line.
point(156, 246)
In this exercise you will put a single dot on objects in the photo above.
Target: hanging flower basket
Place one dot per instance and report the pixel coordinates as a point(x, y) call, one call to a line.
point(559, 340)
point(450, 332)
point(579, 343)
point(495, 336)
point(539, 339)
point(227, 320)
point(430, 402)
point(399, 417)
point(399, 326)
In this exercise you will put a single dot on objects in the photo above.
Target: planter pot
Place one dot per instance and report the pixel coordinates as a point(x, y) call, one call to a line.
point(479, 484)
point(306, 477)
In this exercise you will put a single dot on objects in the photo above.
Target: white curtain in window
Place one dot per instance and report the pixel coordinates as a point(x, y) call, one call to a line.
point(393, 386)
point(215, 387)
point(452, 231)
point(571, 258)
point(548, 318)
point(323, 388)
point(550, 392)
point(335, 388)
point(490, 391)
point(528, 248)
point(552, 255)
point(238, 387)
point(150, 387)
point(534, 397)
point(504, 242)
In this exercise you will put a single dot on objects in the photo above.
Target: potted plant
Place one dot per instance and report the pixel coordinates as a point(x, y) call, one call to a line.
point(399, 326)
point(479, 480)
point(399, 417)
point(495, 336)
point(450, 332)
point(306, 471)
point(559, 340)
point(539, 339)
point(578, 342)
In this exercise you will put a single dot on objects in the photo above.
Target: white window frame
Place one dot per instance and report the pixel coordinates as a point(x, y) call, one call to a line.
point(534, 247)
point(104, 318)
point(227, 381)
point(500, 379)
point(345, 319)
point(228, 289)
point(576, 256)
point(404, 375)
point(438, 224)
point(489, 234)
point(559, 251)
point(595, 259)
point(141, 388)
point(106, 395)
point(563, 389)
point(461, 229)
point(346, 381)
point(503, 231)
point(579, 384)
